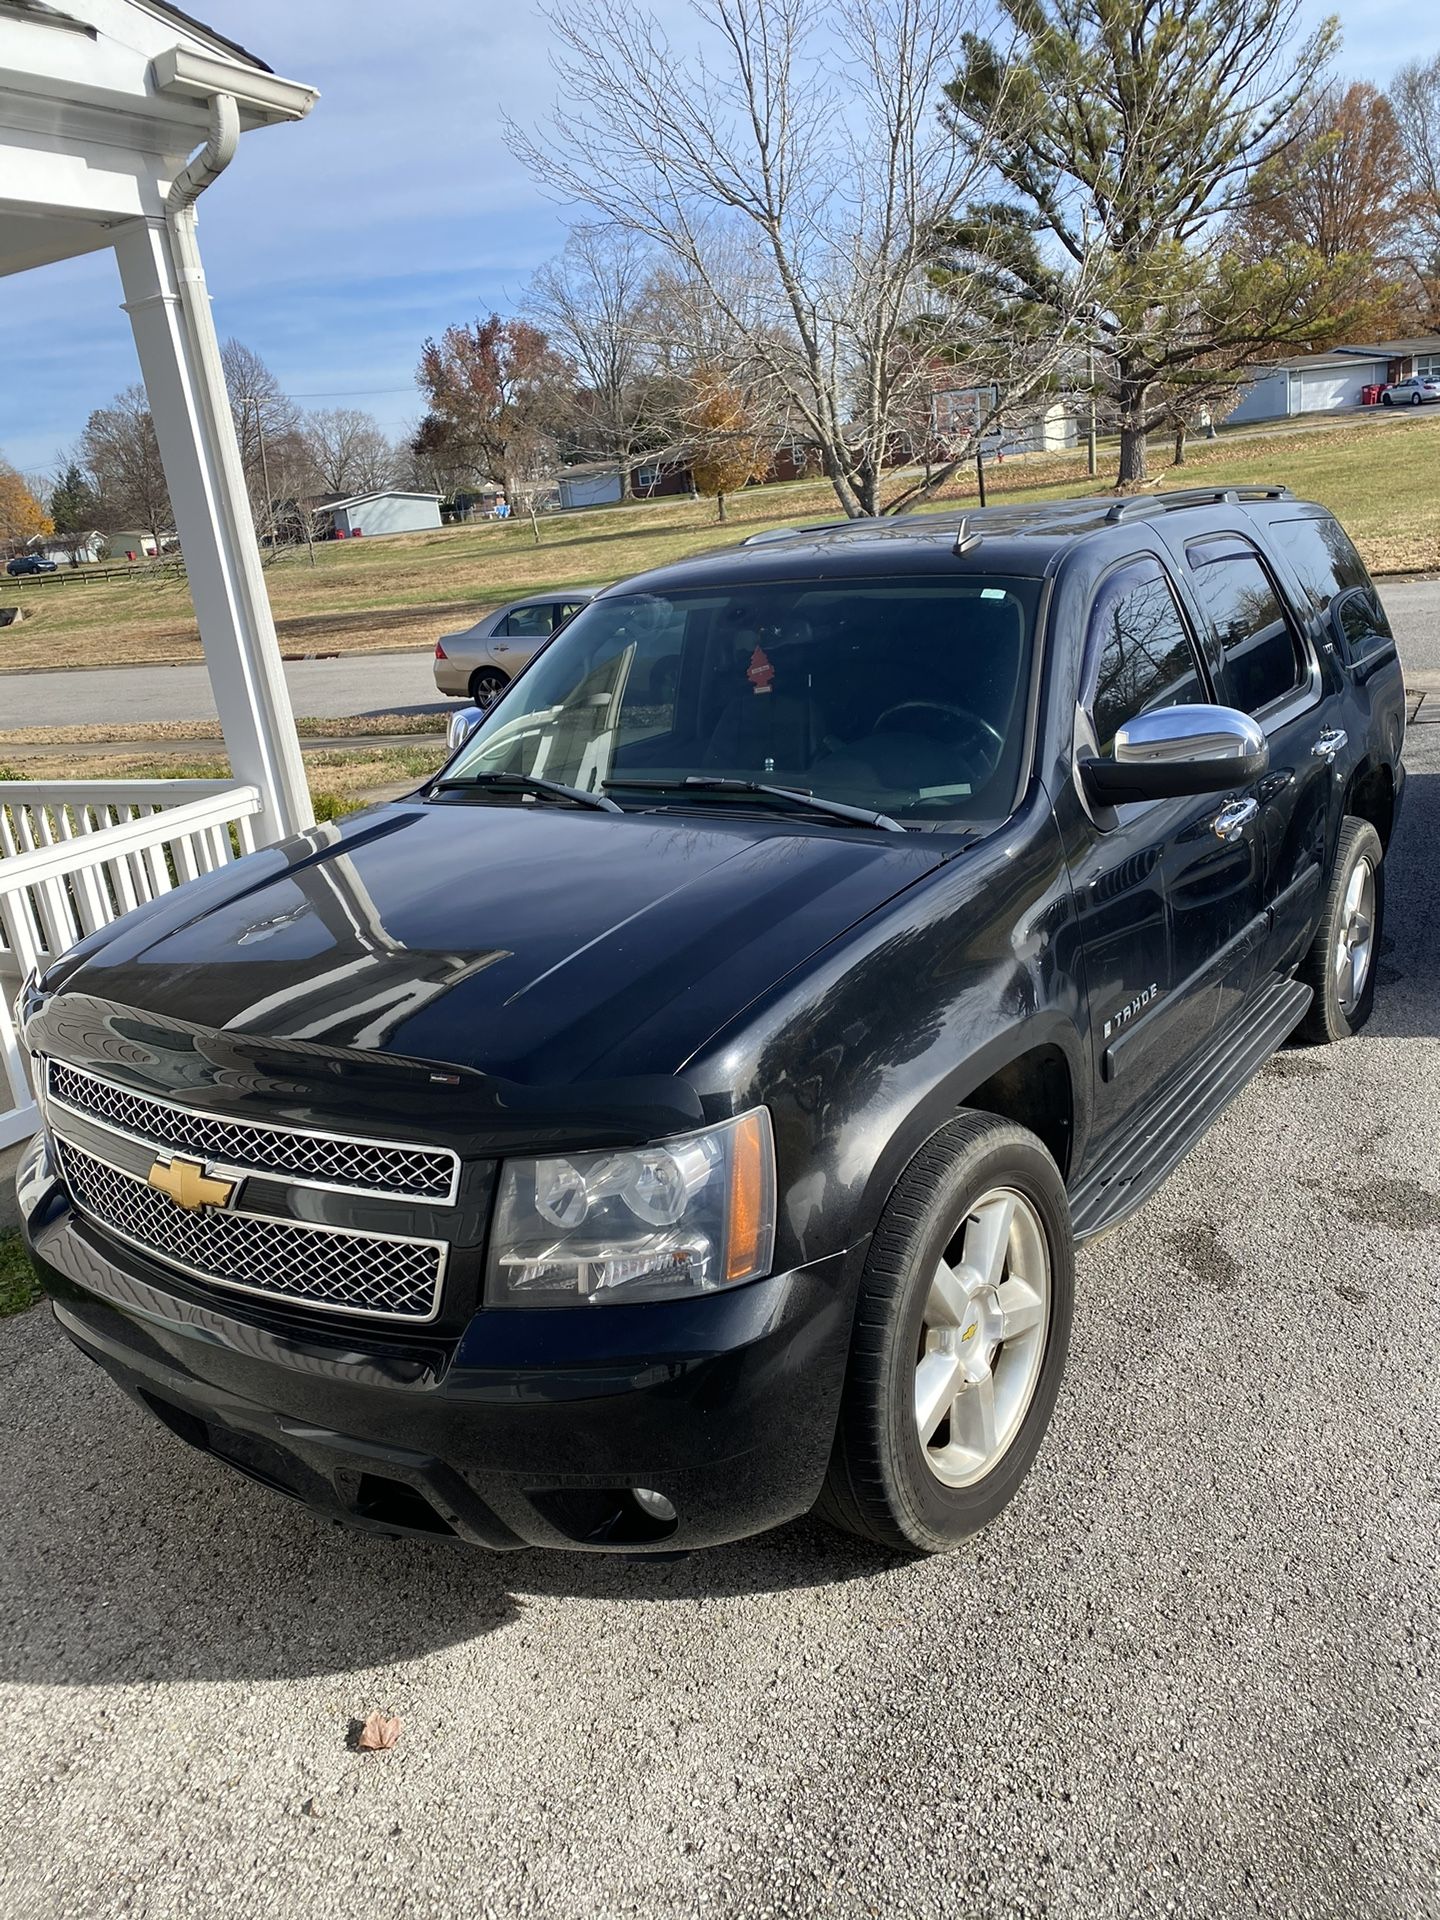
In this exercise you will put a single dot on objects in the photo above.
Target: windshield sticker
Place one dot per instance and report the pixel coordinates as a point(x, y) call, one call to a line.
point(993, 593)
point(760, 672)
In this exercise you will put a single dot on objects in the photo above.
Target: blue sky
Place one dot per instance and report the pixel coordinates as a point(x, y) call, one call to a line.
point(334, 247)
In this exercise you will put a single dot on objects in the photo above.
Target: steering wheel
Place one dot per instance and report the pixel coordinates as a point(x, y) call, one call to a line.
point(992, 743)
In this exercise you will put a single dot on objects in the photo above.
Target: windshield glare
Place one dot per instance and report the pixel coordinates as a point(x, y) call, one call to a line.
point(907, 697)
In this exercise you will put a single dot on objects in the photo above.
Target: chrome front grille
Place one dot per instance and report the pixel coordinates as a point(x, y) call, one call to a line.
point(385, 1168)
point(332, 1269)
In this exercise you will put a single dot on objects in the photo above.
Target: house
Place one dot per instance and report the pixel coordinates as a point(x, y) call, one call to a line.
point(77, 549)
point(1329, 382)
point(136, 540)
point(386, 510)
point(1036, 428)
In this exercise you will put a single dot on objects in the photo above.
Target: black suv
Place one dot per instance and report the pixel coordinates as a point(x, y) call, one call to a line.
point(683, 1109)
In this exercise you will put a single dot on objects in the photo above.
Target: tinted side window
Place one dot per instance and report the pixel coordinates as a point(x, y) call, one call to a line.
point(1322, 556)
point(531, 623)
point(1363, 622)
point(1145, 655)
point(1264, 658)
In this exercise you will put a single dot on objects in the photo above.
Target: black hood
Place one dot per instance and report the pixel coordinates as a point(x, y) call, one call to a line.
point(537, 944)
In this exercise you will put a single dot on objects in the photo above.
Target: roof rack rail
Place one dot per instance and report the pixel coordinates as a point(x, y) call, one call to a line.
point(1142, 503)
point(816, 526)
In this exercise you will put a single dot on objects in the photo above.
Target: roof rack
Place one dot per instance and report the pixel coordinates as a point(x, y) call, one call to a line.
point(816, 526)
point(1142, 503)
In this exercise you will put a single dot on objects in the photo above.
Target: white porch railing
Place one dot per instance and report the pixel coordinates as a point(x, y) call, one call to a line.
point(75, 855)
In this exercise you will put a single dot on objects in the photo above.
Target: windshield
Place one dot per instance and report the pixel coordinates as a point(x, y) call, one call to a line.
point(907, 697)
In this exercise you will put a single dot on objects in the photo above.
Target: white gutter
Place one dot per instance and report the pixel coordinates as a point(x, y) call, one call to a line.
point(200, 76)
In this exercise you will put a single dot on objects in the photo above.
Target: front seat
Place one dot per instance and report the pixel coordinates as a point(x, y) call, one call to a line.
point(763, 733)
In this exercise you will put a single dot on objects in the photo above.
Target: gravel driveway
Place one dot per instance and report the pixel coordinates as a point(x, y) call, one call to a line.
point(1191, 1672)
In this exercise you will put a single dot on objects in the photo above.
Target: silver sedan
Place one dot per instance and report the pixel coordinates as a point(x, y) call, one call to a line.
point(477, 663)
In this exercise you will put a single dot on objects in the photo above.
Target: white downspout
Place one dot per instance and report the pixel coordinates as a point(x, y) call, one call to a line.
point(186, 188)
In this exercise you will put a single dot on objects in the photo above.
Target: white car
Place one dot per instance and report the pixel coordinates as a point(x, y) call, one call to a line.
point(1414, 392)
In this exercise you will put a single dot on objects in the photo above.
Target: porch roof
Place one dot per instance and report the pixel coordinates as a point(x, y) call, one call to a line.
point(96, 124)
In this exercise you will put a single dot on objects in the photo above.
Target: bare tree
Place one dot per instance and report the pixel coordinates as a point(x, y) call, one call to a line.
point(348, 450)
point(593, 303)
point(1415, 102)
point(122, 455)
point(268, 427)
point(794, 174)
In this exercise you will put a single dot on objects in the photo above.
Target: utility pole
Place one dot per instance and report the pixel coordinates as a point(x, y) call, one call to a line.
point(264, 469)
point(1091, 462)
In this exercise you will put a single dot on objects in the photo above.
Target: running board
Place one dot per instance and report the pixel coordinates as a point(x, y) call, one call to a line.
point(1184, 1108)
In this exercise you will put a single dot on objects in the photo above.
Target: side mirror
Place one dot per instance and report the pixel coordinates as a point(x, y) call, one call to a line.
point(1172, 751)
point(462, 725)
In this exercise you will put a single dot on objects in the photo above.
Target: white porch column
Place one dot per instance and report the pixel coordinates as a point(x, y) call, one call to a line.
point(198, 449)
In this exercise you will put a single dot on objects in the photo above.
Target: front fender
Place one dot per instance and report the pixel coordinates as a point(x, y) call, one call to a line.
point(873, 1048)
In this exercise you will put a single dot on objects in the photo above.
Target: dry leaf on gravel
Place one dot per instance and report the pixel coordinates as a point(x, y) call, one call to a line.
point(378, 1734)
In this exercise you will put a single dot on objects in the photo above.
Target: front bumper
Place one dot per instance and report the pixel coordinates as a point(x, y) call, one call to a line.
point(531, 1429)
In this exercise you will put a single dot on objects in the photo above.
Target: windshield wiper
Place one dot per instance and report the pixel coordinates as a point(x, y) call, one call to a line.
point(800, 797)
point(527, 783)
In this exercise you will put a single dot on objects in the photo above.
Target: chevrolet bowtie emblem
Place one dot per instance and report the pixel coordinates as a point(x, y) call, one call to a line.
point(188, 1184)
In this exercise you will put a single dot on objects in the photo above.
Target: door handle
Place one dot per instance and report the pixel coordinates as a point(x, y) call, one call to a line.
point(1232, 820)
point(1331, 740)
point(499, 646)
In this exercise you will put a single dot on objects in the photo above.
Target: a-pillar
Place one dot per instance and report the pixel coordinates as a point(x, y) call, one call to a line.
point(180, 362)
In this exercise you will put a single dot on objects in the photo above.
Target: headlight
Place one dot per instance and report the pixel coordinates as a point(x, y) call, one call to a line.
point(655, 1223)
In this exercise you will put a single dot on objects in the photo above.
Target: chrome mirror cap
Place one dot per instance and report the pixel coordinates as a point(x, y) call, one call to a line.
point(1173, 751)
point(462, 725)
point(1167, 735)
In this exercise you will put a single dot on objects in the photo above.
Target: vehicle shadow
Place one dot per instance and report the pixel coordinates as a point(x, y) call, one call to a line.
point(131, 1558)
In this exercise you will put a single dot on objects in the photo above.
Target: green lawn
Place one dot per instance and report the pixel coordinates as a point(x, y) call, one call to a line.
point(17, 1282)
point(1380, 474)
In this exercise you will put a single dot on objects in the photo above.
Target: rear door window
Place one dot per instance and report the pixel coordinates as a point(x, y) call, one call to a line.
point(1320, 552)
point(531, 623)
point(1266, 661)
point(1141, 650)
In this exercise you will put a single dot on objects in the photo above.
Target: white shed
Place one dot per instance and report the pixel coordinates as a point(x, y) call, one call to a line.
point(596, 484)
point(387, 510)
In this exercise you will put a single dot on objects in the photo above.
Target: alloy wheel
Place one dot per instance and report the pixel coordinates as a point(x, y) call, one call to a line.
point(982, 1338)
point(1354, 947)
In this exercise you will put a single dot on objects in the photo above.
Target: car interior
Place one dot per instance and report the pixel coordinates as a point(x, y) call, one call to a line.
point(903, 696)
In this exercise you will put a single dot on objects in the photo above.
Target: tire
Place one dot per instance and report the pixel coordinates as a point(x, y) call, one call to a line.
point(886, 1482)
point(1417, 399)
point(1341, 1007)
point(1386, 401)
point(487, 684)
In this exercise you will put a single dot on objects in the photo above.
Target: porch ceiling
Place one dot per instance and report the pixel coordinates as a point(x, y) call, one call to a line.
point(32, 240)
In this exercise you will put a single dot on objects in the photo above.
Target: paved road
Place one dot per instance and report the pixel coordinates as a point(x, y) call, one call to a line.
point(1191, 1673)
point(357, 683)
point(402, 682)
